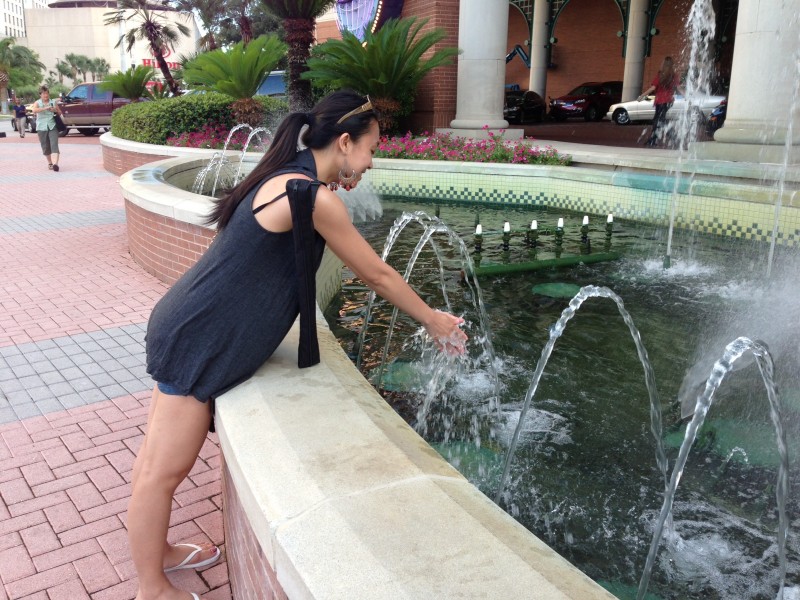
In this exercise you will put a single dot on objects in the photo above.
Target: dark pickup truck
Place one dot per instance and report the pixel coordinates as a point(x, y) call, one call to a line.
point(88, 109)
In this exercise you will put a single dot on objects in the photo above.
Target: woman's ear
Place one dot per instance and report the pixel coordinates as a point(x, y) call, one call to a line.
point(343, 142)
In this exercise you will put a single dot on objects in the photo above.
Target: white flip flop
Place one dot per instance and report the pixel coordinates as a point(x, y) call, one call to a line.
point(187, 564)
point(194, 596)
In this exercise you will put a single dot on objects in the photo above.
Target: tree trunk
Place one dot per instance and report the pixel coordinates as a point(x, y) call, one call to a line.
point(246, 27)
point(162, 65)
point(299, 37)
point(387, 109)
point(212, 41)
point(4, 79)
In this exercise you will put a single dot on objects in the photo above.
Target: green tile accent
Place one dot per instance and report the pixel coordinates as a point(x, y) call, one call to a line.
point(728, 209)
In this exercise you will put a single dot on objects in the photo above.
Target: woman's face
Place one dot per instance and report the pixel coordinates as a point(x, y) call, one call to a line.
point(45, 96)
point(360, 156)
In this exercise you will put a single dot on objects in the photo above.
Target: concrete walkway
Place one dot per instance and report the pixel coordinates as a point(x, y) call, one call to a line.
point(73, 389)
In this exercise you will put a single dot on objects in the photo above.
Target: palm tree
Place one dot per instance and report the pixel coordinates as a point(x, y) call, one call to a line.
point(237, 72)
point(63, 70)
point(387, 66)
point(13, 57)
point(209, 12)
point(84, 65)
point(73, 61)
point(150, 25)
point(131, 84)
point(99, 68)
point(246, 18)
point(298, 23)
point(238, 16)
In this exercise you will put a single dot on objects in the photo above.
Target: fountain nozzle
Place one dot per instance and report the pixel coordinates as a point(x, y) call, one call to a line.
point(586, 247)
point(532, 235)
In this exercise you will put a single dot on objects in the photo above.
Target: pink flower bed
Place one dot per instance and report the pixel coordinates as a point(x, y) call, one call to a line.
point(213, 137)
point(446, 147)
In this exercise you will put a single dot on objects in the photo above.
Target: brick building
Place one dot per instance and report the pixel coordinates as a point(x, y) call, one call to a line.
point(590, 45)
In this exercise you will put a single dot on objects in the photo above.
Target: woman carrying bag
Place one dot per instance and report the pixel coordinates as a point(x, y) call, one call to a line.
point(46, 110)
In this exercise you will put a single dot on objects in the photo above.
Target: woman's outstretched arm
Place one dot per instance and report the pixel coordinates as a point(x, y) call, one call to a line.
point(333, 223)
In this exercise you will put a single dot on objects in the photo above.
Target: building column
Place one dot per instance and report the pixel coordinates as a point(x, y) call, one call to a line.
point(482, 39)
point(539, 45)
point(762, 102)
point(632, 84)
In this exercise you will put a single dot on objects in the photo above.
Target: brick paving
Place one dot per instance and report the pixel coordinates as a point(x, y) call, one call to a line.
point(73, 389)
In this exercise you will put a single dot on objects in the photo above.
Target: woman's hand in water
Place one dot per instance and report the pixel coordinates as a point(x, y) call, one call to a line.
point(446, 334)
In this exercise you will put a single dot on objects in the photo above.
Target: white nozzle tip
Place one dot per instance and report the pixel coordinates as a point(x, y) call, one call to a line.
point(478, 229)
point(534, 225)
point(586, 219)
point(610, 218)
point(506, 226)
point(560, 223)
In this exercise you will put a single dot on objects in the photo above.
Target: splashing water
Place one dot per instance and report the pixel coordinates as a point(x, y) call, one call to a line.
point(733, 352)
point(586, 292)
point(700, 29)
point(440, 368)
point(263, 142)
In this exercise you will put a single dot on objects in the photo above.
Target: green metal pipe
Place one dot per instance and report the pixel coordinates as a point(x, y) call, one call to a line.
point(547, 263)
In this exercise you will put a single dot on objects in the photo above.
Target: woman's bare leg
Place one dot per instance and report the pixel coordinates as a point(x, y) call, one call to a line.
point(173, 555)
point(176, 431)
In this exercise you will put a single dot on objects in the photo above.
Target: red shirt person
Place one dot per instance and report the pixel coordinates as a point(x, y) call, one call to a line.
point(664, 85)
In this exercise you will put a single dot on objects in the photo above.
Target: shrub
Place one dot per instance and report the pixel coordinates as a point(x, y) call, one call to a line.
point(446, 147)
point(154, 122)
point(130, 84)
point(388, 65)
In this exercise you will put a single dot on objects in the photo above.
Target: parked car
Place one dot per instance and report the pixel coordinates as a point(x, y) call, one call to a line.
point(274, 85)
point(717, 117)
point(88, 109)
point(589, 100)
point(635, 110)
point(521, 106)
point(30, 119)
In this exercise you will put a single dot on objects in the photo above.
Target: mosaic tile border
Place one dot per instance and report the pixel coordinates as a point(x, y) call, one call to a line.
point(641, 197)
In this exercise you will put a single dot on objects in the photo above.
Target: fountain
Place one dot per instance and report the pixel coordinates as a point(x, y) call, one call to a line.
point(226, 173)
point(582, 475)
point(587, 511)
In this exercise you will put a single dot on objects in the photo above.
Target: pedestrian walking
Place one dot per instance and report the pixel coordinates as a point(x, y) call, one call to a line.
point(228, 313)
point(19, 115)
point(664, 85)
point(46, 111)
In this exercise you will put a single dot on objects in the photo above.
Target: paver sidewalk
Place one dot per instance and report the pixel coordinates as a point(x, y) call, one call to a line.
point(73, 390)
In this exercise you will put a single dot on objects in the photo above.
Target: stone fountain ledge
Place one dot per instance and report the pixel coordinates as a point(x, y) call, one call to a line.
point(598, 181)
point(343, 500)
point(328, 493)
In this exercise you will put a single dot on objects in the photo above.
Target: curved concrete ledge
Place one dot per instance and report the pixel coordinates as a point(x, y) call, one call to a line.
point(120, 156)
point(344, 500)
point(714, 197)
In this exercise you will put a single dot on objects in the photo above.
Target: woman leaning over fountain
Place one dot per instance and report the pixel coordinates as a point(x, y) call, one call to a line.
point(219, 323)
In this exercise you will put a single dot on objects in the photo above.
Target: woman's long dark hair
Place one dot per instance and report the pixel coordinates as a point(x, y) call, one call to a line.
point(323, 129)
point(666, 76)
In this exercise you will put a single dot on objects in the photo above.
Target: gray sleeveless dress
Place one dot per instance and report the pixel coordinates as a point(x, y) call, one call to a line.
point(229, 312)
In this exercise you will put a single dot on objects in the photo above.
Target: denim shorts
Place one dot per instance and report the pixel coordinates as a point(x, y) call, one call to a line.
point(166, 388)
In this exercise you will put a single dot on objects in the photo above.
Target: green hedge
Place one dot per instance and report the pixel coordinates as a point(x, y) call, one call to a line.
point(153, 122)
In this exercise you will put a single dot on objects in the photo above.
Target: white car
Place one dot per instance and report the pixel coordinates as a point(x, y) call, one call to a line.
point(627, 112)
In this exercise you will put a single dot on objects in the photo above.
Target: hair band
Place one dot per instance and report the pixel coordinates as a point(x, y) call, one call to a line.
point(366, 107)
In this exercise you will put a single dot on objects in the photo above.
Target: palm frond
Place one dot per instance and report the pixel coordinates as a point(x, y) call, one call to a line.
point(237, 72)
point(131, 84)
point(389, 64)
